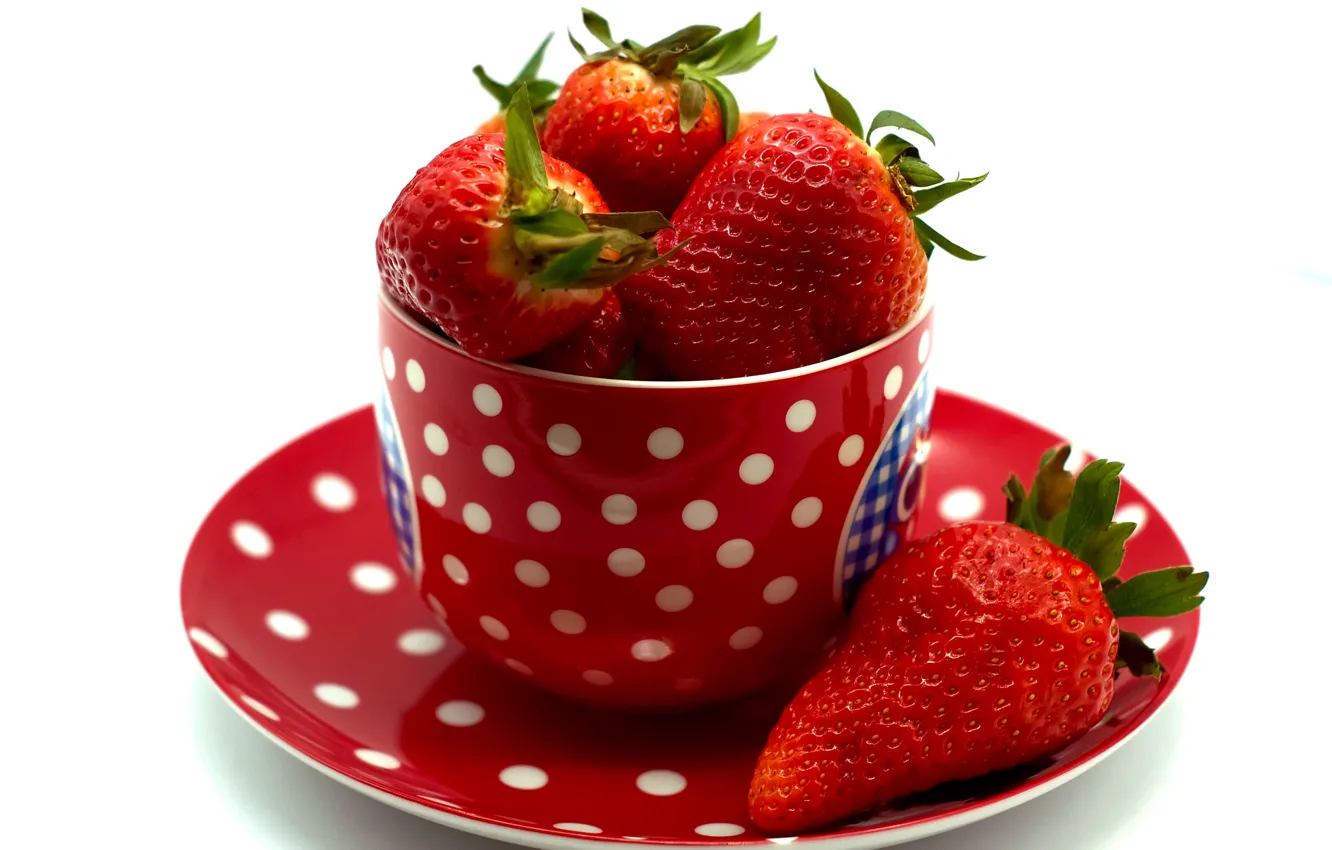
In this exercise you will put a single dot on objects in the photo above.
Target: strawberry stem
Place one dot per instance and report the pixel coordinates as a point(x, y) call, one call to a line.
point(1077, 513)
point(697, 55)
point(905, 167)
point(541, 92)
point(567, 248)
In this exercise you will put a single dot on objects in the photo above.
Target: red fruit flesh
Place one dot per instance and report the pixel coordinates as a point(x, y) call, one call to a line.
point(802, 251)
point(445, 251)
point(596, 350)
point(619, 123)
point(493, 124)
point(980, 648)
point(749, 119)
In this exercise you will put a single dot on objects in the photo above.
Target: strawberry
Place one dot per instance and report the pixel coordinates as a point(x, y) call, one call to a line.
point(749, 119)
point(505, 249)
point(807, 244)
point(984, 646)
point(641, 121)
point(599, 349)
point(541, 92)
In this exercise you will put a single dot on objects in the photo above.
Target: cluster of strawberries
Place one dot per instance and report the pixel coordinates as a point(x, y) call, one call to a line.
point(635, 223)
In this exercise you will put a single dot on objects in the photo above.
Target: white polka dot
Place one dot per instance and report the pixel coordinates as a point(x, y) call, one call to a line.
point(892, 385)
point(619, 509)
point(208, 643)
point(373, 578)
point(518, 666)
point(375, 758)
point(719, 830)
point(531, 573)
point(258, 707)
point(390, 365)
point(626, 562)
point(333, 492)
point(674, 597)
point(1136, 514)
point(735, 553)
point(251, 539)
point(568, 622)
point(779, 590)
point(650, 650)
point(287, 625)
point(1158, 638)
point(756, 469)
point(961, 503)
point(433, 490)
point(579, 827)
point(543, 516)
point(660, 783)
point(337, 696)
point(852, 448)
point(700, 514)
point(807, 512)
point(494, 627)
point(600, 678)
point(476, 518)
point(456, 570)
point(924, 351)
point(415, 377)
point(436, 440)
point(421, 642)
point(487, 400)
point(746, 637)
point(460, 713)
point(665, 443)
point(524, 777)
point(564, 440)
point(497, 461)
point(800, 415)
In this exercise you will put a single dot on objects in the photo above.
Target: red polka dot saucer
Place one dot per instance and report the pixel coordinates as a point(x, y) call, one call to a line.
point(301, 618)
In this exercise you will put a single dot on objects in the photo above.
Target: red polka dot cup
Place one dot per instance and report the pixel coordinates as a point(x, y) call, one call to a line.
point(648, 545)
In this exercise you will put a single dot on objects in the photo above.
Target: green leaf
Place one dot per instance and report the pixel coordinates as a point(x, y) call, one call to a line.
point(541, 90)
point(628, 371)
point(1137, 656)
point(528, 190)
point(529, 72)
point(1095, 494)
point(926, 244)
point(496, 89)
point(730, 110)
point(891, 146)
point(682, 41)
point(841, 108)
point(587, 57)
point(567, 270)
point(744, 61)
point(891, 118)
point(733, 52)
point(1104, 549)
point(643, 222)
point(927, 232)
point(693, 98)
point(554, 222)
point(928, 199)
point(917, 173)
point(1160, 593)
point(599, 28)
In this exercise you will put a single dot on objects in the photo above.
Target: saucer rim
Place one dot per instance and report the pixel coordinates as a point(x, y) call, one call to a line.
point(850, 838)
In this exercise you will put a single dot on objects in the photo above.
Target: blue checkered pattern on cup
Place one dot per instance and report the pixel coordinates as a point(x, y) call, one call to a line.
point(871, 537)
point(396, 482)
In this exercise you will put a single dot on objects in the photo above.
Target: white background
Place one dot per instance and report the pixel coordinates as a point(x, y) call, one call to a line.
point(188, 200)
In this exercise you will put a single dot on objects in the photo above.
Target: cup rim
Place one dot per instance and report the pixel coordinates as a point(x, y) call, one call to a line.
point(923, 310)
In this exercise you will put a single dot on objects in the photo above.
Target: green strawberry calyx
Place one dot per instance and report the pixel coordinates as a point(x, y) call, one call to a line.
point(566, 248)
point(699, 56)
point(1077, 513)
point(541, 92)
point(920, 187)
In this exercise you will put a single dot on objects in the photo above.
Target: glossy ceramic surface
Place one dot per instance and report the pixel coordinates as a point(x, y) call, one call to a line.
point(300, 615)
point(648, 544)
